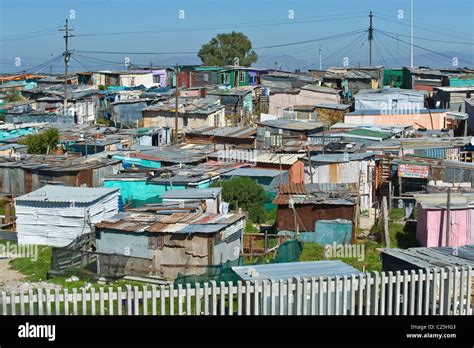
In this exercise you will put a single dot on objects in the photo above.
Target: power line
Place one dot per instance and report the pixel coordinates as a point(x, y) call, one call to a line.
point(227, 26)
point(420, 47)
point(428, 28)
point(434, 40)
point(256, 48)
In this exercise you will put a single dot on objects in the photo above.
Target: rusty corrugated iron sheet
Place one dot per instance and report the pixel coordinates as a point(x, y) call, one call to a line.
point(292, 188)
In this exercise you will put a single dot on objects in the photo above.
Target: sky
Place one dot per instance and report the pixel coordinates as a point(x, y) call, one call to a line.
point(29, 36)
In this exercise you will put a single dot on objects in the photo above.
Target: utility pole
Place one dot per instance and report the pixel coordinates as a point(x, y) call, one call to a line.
point(371, 36)
point(66, 55)
point(411, 33)
point(176, 106)
point(448, 216)
point(320, 58)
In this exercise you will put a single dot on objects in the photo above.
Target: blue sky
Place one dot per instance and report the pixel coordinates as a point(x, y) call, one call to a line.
point(265, 22)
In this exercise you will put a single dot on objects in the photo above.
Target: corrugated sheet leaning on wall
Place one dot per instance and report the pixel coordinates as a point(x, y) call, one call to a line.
point(59, 223)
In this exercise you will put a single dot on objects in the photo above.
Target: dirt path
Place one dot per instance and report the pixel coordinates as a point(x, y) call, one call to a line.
point(8, 274)
point(13, 281)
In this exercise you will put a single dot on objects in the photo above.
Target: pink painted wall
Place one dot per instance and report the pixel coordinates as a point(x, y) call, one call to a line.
point(416, 120)
point(431, 227)
point(280, 101)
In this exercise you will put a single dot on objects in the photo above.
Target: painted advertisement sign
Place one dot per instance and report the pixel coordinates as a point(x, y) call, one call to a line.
point(412, 170)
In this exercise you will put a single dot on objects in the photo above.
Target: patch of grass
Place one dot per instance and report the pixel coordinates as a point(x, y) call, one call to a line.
point(370, 262)
point(36, 270)
point(403, 236)
point(250, 228)
point(397, 213)
point(312, 252)
point(270, 216)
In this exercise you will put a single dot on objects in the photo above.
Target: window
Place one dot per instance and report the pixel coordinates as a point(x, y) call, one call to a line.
point(225, 78)
point(276, 140)
point(216, 120)
point(242, 76)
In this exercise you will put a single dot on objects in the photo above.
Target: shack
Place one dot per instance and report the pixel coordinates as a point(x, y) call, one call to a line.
point(56, 215)
point(300, 207)
point(349, 168)
point(438, 227)
point(31, 172)
point(168, 245)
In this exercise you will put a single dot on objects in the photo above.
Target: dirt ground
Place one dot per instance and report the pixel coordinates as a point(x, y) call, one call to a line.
point(13, 281)
point(7, 273)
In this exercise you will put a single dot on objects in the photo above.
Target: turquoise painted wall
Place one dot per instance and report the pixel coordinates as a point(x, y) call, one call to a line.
point(8, 134)
point(128, 162)
point(140, 193)
point(457, 82)
point(328, 232)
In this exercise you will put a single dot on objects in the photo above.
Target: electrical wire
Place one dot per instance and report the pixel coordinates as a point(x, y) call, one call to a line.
point(422, 48)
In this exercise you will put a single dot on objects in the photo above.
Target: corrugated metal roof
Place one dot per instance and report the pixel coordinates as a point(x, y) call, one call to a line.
point(276, 158)
point(435, 257)
point(285, 270)
point(66, 194)
point(292, 188)
point(439, 200)
point(291, 124)
point(254, 172)
point(192, 193)
point(339, 157)
point(341, 107)
point(204, 228)
point(182, 222)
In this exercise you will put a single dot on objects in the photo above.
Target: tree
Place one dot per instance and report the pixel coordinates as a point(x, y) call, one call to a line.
point(42, 143)
point(247, 194)
point(13, 96)
point(223, 48)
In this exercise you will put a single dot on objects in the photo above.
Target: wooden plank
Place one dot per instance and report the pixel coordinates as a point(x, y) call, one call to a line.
point(390, 293)
point(101, 301)
point(231, 298)
point(222, 298)
point(344, 295)
point(188, 299)
point(119, 301)
point(162, 300)
point(239, 297)
point(66, 302)
point(264, 297)
point(22, 303)
point(84, 301)
point(213, 298)
point(110, 297)
point(40, 301)
point(398, 277)
point(281, 295)
point(405, 292)
point(206, 298)
point(197, 310)
point(153, 299)
point(419, 296)
point(180, 299)
point(145, 299)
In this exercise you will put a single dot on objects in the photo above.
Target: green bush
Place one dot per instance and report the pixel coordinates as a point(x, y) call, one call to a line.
point(42, 143)
point(247, 194)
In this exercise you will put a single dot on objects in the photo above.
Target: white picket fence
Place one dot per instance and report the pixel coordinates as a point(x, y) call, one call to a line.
point(434, 291)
